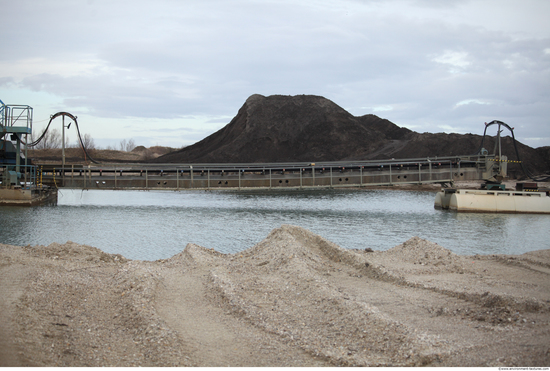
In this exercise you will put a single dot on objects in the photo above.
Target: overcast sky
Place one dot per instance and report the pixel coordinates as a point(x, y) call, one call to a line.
point(173, 72)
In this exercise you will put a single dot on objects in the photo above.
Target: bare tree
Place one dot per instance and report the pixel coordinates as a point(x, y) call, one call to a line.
point(52, 139)
point(127, 145)
point(88, 141)
point(130, 145)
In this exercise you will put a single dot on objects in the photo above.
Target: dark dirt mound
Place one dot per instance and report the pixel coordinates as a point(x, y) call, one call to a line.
point(441, 144)
point(284, 128)
point(312, 128)
point(544, 152)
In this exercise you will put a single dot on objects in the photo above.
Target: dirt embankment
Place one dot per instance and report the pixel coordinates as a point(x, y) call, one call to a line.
point(77, 156)
point(295, 299)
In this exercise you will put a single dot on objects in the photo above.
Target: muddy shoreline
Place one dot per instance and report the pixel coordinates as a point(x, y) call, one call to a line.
point(294, 299)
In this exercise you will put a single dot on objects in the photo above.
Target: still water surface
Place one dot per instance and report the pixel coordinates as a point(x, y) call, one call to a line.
point(150, 225)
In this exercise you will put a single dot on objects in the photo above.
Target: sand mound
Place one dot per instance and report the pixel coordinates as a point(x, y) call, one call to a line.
point(290, 285)
point(73, 251)
point(294, 299)
point(290, 268)
point(417, 256)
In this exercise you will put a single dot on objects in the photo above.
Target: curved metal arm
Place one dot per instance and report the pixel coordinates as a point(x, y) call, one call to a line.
point(500, 123)
point(72, 117)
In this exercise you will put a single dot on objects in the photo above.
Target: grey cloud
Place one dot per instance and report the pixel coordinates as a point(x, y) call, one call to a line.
point(5, 81)
point(175, 59)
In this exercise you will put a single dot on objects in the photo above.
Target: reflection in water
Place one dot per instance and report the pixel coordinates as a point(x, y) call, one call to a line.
point(157, 225)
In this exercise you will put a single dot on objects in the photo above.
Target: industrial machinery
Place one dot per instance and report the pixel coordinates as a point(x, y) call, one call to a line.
point(18, 177)
point(493, 197)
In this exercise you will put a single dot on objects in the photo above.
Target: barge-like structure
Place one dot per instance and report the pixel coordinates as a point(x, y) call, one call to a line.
point(493, 197)
point(494, 201)
point(29, 196)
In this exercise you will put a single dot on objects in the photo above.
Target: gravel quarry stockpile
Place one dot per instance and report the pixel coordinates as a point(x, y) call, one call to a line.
point(310, 128)
point(294, 299)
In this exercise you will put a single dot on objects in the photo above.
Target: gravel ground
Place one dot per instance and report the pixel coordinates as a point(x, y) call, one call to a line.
point(295, 299)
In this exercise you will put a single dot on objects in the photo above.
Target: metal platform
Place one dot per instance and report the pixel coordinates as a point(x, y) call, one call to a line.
point(18, 178)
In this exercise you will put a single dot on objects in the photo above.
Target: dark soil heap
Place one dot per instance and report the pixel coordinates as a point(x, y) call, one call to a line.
point(291, 128)
point(311, 128)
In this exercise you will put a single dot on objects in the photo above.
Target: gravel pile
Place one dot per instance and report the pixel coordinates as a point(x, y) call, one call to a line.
point(84, 307)
point(294, 299)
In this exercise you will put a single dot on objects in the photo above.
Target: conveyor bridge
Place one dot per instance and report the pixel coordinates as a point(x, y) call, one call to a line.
point(295, 175)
